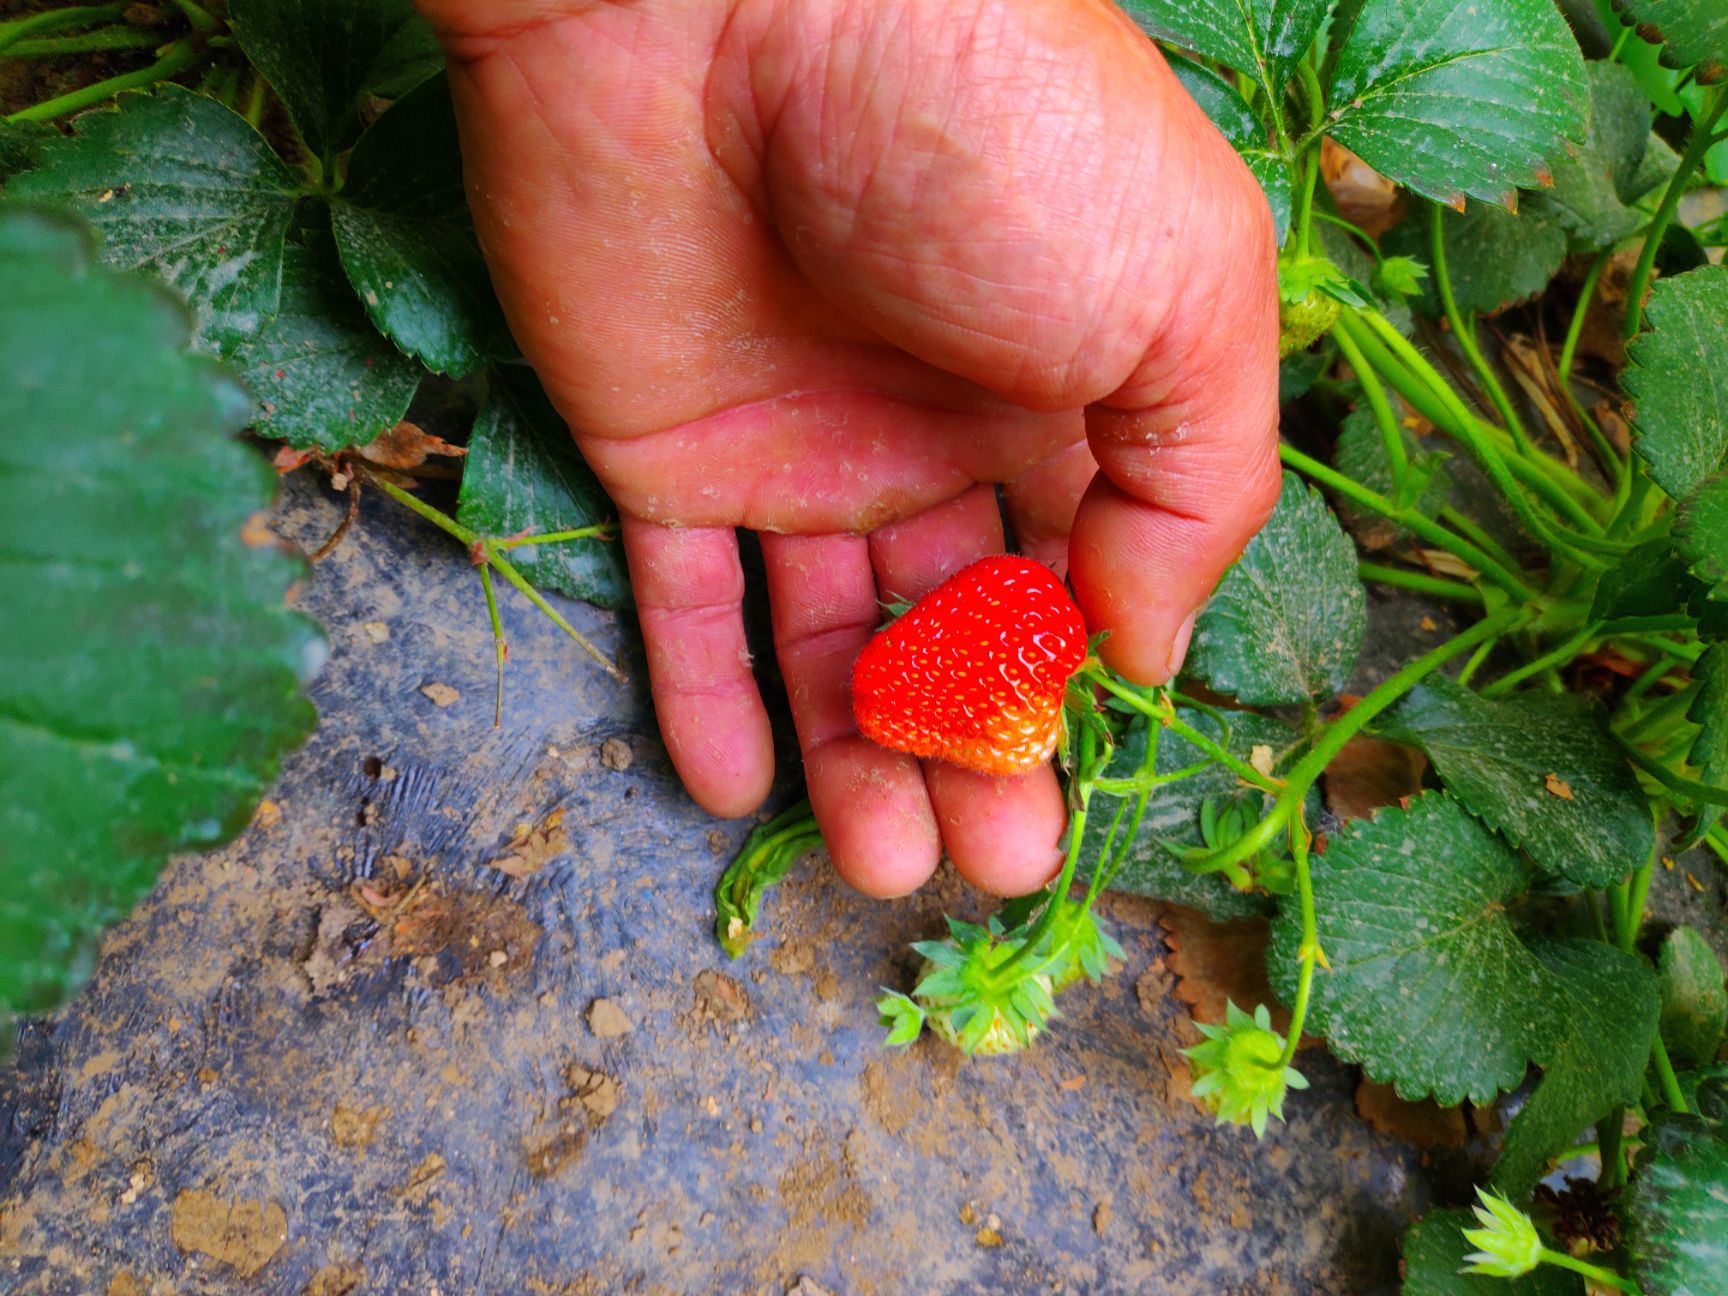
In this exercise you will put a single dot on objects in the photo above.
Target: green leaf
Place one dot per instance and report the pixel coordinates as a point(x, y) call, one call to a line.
point(1694, 998)
point(1691, 31)
point(1286, 622)
point(407, 241)
point(1237, 122)
point(1701, 535)
point(1677, 377)
point(1604, 1004)
point(1151, 867)
point(1594, 187)
point(1361, 456)
point(1434, 1252)
point(1429, 988)
point(1494, 258)
point(1538, 767)
point(1676, 1209)
point(1649, 581)
point(21, 145)
point(1457, 97)
point(1709, 711)
point(319, 373)
point(766, 858)
point(154, 678)
point(323, 56)
point(1264, 38)
point(181, 186)
point(523, 474)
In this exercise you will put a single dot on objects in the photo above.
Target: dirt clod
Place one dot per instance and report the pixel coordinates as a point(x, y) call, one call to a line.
point(355, 1127)
point(334, 1280)
point(719, 998)
point(616, 754)
point(594, 1091)
point(442, 695)
point(607, 1020)
point(242, 1234)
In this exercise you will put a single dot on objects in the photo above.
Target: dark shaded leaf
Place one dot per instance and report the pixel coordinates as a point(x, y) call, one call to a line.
point(1677, 377)
point(1429, 988)
point(1694, 998)
point(179, 185)
point(1507, 759)
point(1264, 38)
point(323, 56)
point(319, 373)
point(1456, 98)
point(1604, 1004)
point(1494, 258)
point(523, 474)
point(1676, 1209)
point(407, 240)
point(1690, 31)
point(1286, 622)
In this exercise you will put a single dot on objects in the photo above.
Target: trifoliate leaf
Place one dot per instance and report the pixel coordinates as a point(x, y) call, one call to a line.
point(1457, 97)
point(1153, 867)
point(1594, 186)
point(1434, 1251)
point(1676, 1210)
point(408, 242)
point(324, 56)
point(1603, 1003)
point(150, 676)
point(1677, 377)
point(1428, 988)
point(1694, 998)
point(1701, 535)
point(1494, 258)
point(1538, 767)
point(1286, 622)
point(523, 474)
point(1690, 32)
point(178, 185)
point(1237, 122)
point(319, 374)
point(1264, 38)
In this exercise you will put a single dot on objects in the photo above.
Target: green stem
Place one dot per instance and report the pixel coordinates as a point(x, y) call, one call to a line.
point(1166, 716)
point(1696, 147)
point(1391, 435)
point(174, 60)
point(500, 649)
point(1691, 789)
point(601, 530)
point(1308, 953)
point(1596, 1273)
point(1420, 582)
point(201, 19)
point(1665, 1075)
point(1565, 652)
point(1408, 370)
point(11, 33)
point(1465, 331)
point(1475, 660)
point(1658, 713)
point(1352, 722)
point(105, 38)
point(486, 552)
point(1575, 329)
point(1477, 534)
point(1065, 879)
point(1423, 527)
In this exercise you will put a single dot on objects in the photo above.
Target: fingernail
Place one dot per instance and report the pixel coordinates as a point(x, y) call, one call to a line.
point(1179, 645)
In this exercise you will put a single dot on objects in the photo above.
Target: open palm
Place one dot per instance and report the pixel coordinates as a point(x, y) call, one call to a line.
point(820, 268)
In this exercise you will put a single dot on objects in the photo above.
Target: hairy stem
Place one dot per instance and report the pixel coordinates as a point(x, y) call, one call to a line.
point(1696, 147)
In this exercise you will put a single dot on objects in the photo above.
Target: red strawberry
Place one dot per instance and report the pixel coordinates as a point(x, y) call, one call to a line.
point(975, 672)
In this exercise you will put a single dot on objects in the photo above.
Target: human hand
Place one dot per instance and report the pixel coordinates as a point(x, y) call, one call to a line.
point(818, 268)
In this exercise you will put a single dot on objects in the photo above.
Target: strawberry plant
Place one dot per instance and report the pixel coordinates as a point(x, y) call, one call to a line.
point(1505, 401)
point(1540, 277)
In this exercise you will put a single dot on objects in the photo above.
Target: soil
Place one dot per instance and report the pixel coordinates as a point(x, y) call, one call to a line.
point(351, 1053)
